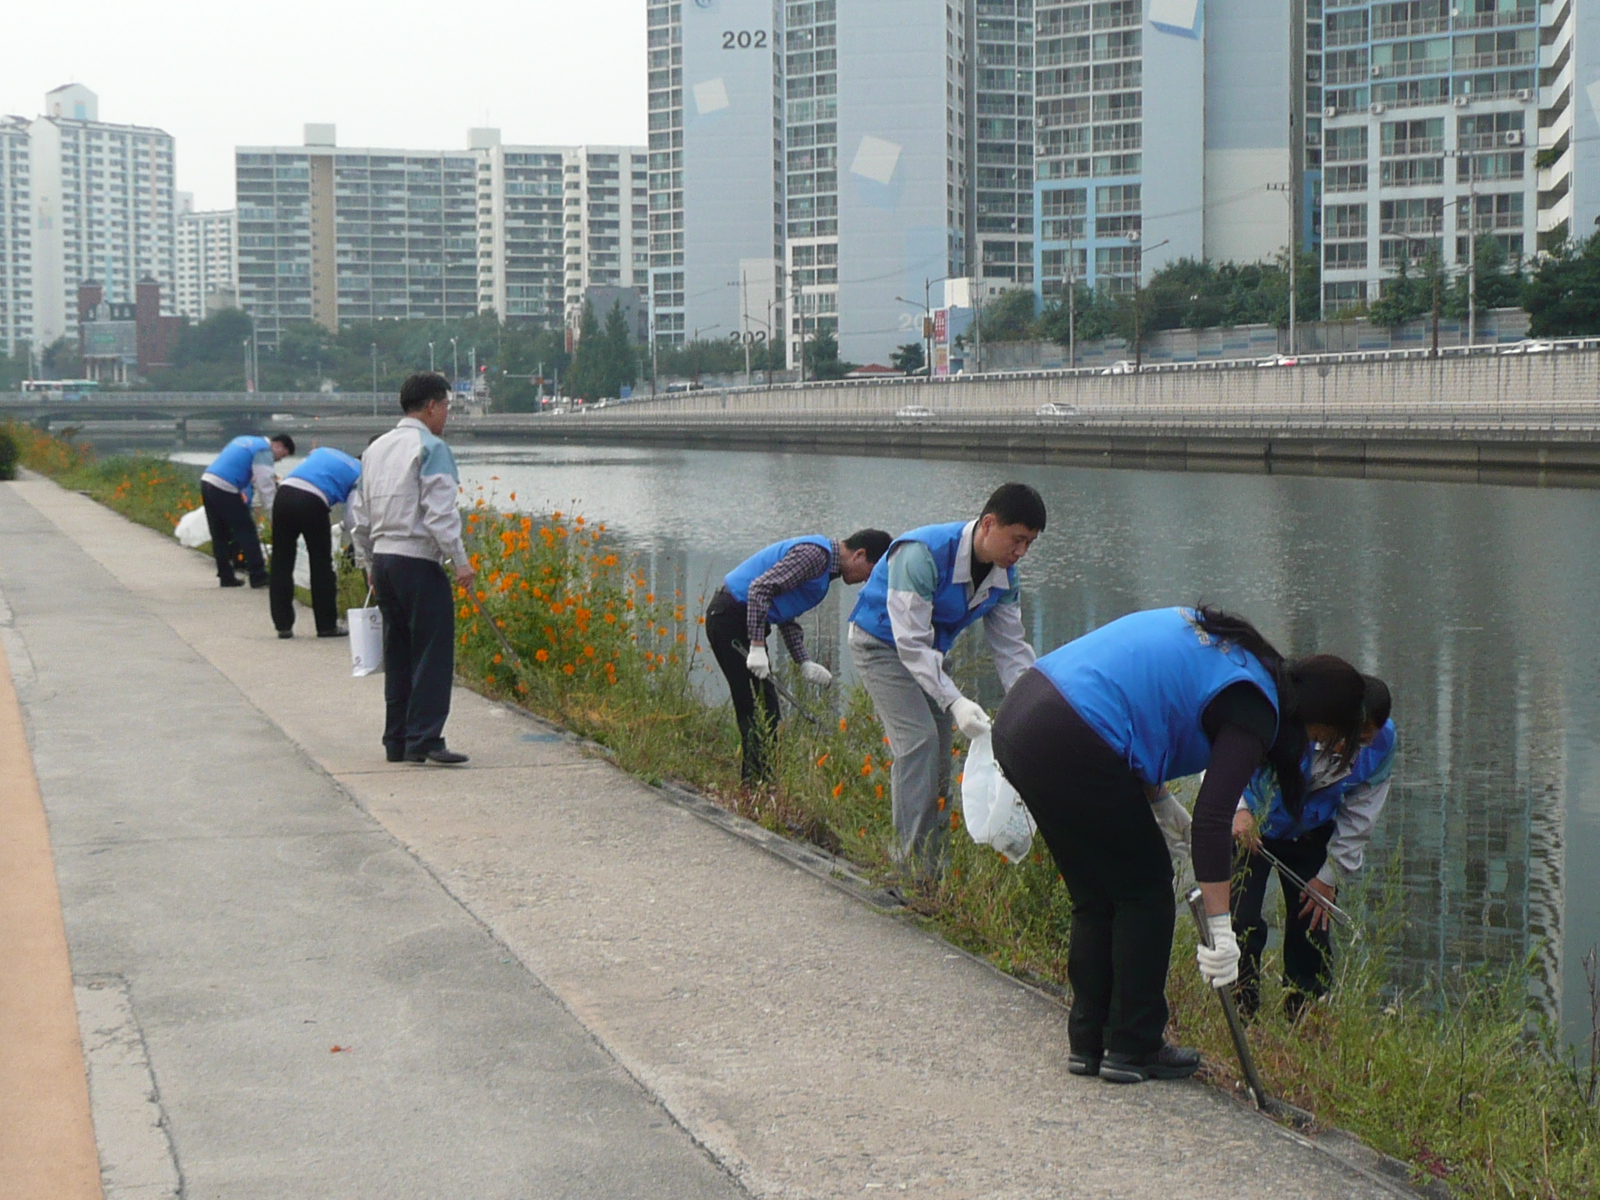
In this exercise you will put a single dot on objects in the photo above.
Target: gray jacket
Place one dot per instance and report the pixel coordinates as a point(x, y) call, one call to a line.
point(407, 502)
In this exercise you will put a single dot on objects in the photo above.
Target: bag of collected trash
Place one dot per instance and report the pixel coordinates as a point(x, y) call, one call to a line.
point(192, 530)
point(302, 565)
point(366, 638)
point(990, 807)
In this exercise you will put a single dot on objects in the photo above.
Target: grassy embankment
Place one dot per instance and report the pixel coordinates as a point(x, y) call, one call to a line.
point(1447, 1078)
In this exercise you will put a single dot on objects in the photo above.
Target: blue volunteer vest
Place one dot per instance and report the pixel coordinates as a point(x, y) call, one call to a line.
point(1142, 683)
point(1371, 765)
point(950, 612)
point(332, 472)
point(236, 459)
point(786, 606)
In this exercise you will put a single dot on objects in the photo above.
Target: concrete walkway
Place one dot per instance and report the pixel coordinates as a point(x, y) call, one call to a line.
point(543, 980)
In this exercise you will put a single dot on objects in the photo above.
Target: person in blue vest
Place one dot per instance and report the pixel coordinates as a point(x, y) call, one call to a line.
point(1326, 841)
point(303, 509)
point(1089, 736)
point(244, 467)
point(933, 583)
point(776, 586)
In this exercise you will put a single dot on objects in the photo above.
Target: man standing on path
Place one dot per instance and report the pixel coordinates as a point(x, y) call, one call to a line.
point(302, 510)
point(245, 465)
point(406, 523)
point(778, 585)
point(932, 584)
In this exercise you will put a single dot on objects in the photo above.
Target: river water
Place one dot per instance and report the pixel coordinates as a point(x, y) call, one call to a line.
point(1479, 605)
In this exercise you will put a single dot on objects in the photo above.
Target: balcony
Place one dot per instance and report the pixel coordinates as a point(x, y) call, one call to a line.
point(1345, 37)
point(1349, 231)
point(1410, 226)
point(1500, 59)
point(1393, 30)
point(1518, 16)
point(1410, 147)
point(1410, 67)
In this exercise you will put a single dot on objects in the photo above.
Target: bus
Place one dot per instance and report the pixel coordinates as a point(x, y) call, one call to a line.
point(61, 389)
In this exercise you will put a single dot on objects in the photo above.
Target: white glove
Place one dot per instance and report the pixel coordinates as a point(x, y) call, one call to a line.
point(815, 672)
point(1174, 821)
point(756, 663)
point(1219, 965)
point(970, 718)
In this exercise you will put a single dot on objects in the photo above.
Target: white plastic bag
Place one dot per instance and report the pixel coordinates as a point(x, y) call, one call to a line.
point(302, 565)
point(192, 530)
point(366, 638)
point(990, 807)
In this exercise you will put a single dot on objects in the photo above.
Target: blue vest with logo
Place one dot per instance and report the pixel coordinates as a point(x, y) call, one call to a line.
point(786, 606)
point(236, 459)
point(1142, 683)
point(332, 472)
point(1372, 764)
point(950, 612)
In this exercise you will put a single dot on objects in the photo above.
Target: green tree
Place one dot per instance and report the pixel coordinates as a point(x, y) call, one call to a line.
point(1009, 316)
point(908, 358)
point(822, 357)
point(587, 378)
point(621, 364)
point(1407, 295)
point(61, 359)
point(1563, 295)
point(13, 369)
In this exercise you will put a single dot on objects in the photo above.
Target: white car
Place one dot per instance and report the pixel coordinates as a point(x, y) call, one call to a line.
point(1121, 367)
point(1278, 360)
point(915, 412)
point(1530, 346)
point(1058, 412)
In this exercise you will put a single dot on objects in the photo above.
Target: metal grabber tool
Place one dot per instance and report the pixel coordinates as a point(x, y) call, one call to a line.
point(1247, 1063)
point(741, 648)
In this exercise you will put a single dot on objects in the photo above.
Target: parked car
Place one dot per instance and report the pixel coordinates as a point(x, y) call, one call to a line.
point(1058, 412)
point(917, 413)
point(1121, 367)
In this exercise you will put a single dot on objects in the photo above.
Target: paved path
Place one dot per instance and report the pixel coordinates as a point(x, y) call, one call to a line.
point(546, 980)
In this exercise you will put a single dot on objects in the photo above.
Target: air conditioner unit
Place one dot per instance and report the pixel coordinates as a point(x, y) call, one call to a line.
point(1513, 137)
point(1524, 94)
point(1375, 70)
point(1376, 110)
point(1330, 111)
point(1462, 101)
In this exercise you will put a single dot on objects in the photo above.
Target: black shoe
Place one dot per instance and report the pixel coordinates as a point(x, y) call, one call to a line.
point(395, 753)
point(1084, 1064)
point(286, 633)
point(444, 757)
point(259, 583)
point(235, 581)
point(341, 631)
point(1169, 1062)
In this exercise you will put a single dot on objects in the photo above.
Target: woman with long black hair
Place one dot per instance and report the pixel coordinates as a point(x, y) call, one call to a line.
point(1089, 734)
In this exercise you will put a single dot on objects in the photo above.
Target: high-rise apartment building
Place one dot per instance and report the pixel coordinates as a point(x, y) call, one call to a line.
point(101, 208)
point(207, 265)
point(605, 197)
point(900, 138)
point(521, 229)
point(1436, 117)
point(337, 235)
point(16, 237)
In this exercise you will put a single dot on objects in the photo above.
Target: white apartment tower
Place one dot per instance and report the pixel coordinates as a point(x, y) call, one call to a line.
point(103, 209)
point(900, 136)
point(1436, 115)
point(208, 272)
point(16, 238)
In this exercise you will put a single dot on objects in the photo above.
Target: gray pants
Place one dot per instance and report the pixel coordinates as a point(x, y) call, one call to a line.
point(920, 734)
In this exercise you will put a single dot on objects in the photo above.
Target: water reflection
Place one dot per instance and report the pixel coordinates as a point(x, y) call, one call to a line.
point(1478, 604)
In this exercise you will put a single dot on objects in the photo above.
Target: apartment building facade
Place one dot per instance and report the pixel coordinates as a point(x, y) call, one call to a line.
point(1435, 114)
point(207, 263)
point(100, 206)
point(16, 237)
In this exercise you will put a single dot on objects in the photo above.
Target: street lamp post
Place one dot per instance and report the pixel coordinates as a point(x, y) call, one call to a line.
point(249, 385)
point(455, 365)
point(374, 378)
point(1294, 254)
point(430, 357)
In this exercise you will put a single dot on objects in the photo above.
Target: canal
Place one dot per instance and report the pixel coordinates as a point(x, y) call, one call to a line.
point(1480, 606)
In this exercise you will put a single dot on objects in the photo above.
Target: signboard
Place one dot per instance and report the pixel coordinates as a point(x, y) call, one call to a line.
point(941, 342)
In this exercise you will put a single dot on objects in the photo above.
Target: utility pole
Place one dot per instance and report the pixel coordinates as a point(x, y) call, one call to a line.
point(927, 325)
point(455, 365)
point(430, 357)
point(374, 378)
point(654, 359)
point(744, 317)
point(800, 315)
point(1139, 249)
point(977, 323)
point(249, 386)
point(1294, 256)
point(1072, 298)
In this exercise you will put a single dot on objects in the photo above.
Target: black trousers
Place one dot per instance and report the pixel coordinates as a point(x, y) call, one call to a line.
point(419, 650)
point(1306, 953)
point(1096, 819)
point(297, 513)
point(755, 701)
point(233, 532)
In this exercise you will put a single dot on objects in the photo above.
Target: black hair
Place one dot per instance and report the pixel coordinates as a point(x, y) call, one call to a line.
point(285, 440)
point(1320, 689)
point(1375, 701)
point(421, 390)
point(1016, 504)
point(874, 541)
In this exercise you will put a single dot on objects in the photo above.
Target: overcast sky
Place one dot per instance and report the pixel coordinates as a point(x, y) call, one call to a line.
point(395, 74)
